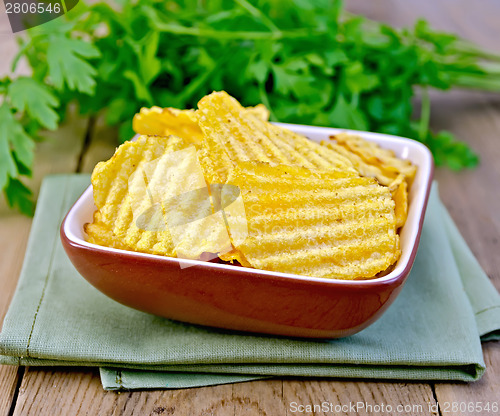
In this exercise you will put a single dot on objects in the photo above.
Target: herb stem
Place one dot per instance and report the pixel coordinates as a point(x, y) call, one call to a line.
point(20, 53)
point(195, 84)
point(466, 47)
point(265, 100)
point(259, 15)
point(477, 82)
point(63, 3)
point(230, 35)
point(425, 115)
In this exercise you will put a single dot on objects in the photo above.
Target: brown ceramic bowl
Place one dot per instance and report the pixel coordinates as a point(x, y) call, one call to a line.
point(246, 299)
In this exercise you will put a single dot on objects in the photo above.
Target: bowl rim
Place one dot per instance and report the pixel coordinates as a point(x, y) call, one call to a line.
point(427, 169)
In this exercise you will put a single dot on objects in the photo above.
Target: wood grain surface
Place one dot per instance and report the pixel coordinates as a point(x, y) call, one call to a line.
point(471, 196)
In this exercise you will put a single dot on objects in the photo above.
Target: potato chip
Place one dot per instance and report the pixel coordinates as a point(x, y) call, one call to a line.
point(234, 135)
point(112, 197)
point(315, 223)
point(371, 160)
point(389, 165)
point(168, 121)
point(152, 197)
point(100, 234)
point(399, 191)
point(364, 168)
point(156, 121)
point(260, 111)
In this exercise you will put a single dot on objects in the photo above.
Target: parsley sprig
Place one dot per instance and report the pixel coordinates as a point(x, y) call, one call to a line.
point(309, 62)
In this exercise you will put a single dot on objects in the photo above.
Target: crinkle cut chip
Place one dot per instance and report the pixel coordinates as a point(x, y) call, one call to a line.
point(315, 223)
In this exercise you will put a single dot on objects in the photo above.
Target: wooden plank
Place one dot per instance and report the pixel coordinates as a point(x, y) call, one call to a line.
point(471, 196)
point(180, 402)
point(59, 153)
point(14, 231)
point(476, 21)
point(79, 391)
point(43, 391)
point(472, 199)
point(266, 397)
point(68, 392)
point(358, 398)
point(480, 398)
point(8, 382)
point(76, 391)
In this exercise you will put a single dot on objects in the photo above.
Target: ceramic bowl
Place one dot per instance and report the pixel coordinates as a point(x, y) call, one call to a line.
point(240, 298)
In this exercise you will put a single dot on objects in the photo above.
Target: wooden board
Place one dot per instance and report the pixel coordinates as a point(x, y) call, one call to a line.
point(56, 154)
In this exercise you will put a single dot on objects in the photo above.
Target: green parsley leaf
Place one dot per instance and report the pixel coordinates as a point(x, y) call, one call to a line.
point(309, 62)
point(346, 115)
point(13, 138)
point(18, 196)
point(67, 66)
point(357, 80)
point(8, 167)
point(37, 99)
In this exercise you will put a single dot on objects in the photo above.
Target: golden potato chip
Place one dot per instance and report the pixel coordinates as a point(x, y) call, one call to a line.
point(399, 191)
point(156, 121)
point(364, 168)
point(168, 121)
point(100, 234)
point(113, 200)
point(315, 223)
point(260, 111)
point(234, 135)
point(152, 197)
point(371, 160)
point(372, 154)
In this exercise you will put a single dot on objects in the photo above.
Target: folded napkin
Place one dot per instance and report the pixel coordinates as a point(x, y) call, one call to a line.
point(431, 332)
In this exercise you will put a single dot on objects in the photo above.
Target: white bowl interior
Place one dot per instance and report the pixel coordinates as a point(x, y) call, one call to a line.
point(414, 151)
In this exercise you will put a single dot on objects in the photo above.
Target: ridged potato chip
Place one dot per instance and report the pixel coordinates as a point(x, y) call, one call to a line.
point(156, 121)
point(102, 235)
point(399, 192)
point(110, 180)
point(371, 160)
point(364, 168)
point(234, 135)
point(368, 155)
point(152, 197)
point(260, 111)
point(315, 223)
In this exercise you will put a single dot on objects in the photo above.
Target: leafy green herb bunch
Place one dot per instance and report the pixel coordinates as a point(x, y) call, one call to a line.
point(310, 62)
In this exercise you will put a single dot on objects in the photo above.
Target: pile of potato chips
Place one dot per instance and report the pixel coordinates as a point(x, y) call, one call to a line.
point(221, 182)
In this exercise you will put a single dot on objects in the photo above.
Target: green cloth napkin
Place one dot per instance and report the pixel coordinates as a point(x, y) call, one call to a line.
point(431, 332)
